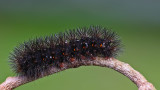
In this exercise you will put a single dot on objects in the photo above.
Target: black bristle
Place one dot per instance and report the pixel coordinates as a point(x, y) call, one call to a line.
point(36, 56)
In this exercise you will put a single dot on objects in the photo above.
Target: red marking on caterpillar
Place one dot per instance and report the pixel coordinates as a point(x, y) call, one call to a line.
point(100, 45)
point(36, 56)
point(61, 65)
point(83, 57)
point(93, 58)
point(72, 59)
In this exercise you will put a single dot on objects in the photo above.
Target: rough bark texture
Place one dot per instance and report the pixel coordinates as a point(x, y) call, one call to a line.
point(124, 68)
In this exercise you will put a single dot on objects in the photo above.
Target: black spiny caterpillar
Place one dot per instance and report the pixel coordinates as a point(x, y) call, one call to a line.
point(36, 56)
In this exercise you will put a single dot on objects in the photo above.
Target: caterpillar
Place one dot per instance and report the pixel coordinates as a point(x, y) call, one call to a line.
point(35, 57)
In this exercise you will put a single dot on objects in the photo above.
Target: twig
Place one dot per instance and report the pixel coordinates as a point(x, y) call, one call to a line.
point(124, 68)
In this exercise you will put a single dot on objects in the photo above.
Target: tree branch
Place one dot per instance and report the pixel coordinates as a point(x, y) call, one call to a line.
point(124, 68)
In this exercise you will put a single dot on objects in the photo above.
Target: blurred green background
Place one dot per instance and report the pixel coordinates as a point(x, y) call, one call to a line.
point(136, 21)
